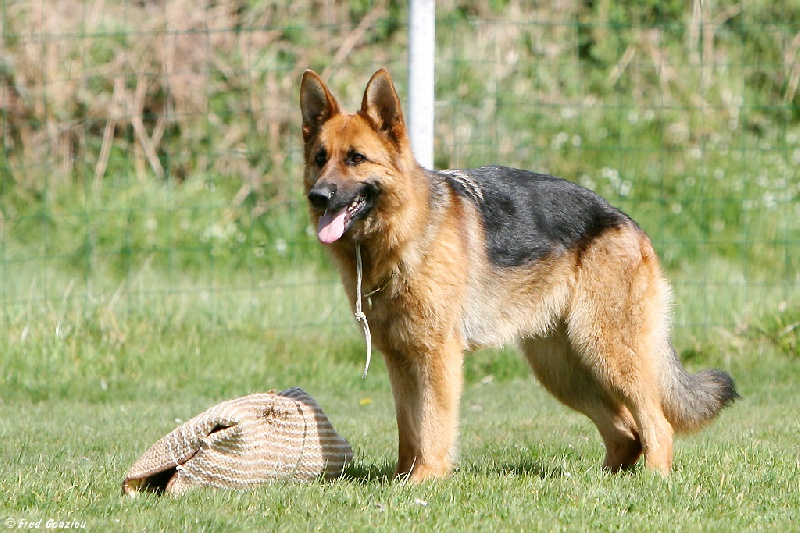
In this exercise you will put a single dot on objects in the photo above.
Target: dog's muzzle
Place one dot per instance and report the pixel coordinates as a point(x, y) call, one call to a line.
point(340, 207)
point(321, 195)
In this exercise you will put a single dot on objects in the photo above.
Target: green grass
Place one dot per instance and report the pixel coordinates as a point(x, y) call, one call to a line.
point(85, 392)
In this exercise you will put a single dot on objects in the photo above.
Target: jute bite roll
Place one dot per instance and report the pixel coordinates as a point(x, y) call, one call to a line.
point(242, 443)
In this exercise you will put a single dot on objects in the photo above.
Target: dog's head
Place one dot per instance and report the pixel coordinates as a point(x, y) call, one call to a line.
point(352, 161)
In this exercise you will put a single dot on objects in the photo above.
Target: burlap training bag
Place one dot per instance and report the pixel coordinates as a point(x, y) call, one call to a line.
point(242, 443)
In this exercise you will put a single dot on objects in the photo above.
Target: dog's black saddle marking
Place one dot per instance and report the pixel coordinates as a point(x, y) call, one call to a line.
point(527, 216)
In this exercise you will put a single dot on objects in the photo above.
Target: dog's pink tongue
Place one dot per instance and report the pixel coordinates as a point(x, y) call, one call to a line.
point(331, 226)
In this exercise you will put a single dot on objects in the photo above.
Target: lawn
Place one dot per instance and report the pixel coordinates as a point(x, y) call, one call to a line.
point(82, 400)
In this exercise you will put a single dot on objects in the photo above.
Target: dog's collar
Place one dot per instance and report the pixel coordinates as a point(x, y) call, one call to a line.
point(382, 285)
point(377, 288)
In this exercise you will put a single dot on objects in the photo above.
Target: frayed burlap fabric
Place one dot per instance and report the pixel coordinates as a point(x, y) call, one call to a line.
point(242, 443)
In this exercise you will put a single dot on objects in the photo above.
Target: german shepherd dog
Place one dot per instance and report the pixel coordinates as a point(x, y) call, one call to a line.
point(456, 260)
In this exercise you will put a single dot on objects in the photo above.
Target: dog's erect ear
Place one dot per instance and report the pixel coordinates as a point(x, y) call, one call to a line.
point(382, 106)
point(316, 102)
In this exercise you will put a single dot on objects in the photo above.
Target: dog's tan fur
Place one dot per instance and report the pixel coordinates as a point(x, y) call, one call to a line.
point(593, 322)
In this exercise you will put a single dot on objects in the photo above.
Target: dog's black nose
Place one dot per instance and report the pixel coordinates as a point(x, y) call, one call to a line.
point(321, 194)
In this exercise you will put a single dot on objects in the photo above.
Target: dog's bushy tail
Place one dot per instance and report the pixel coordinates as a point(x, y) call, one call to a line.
point(691, 401)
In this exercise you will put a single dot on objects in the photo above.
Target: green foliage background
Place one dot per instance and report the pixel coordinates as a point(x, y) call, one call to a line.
point(155, 136)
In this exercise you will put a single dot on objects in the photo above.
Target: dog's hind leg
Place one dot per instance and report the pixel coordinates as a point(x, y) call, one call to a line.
point(618, 325)
point(426, 388)
point(630, 417)
point(565, 376)
point(618, 430)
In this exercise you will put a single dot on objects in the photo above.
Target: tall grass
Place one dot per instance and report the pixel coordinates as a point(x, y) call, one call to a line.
point(151, 134)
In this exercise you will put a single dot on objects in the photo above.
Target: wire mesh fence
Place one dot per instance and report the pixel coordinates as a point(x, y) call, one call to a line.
point(152, 160)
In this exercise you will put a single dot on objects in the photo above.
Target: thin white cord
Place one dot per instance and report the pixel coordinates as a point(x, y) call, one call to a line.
point(360, 316)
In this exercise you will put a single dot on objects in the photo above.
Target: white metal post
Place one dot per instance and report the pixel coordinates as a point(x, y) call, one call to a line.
point(421, 54)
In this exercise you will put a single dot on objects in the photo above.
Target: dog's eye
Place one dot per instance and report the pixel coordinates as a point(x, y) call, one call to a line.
point(356, 158)
point(321, 158)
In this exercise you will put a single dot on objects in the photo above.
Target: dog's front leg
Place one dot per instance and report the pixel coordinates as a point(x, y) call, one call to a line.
point(427, 387)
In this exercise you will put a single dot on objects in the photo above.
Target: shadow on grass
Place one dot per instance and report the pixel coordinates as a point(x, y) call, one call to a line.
point(524, 467)
point(364, 474)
